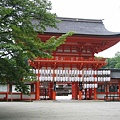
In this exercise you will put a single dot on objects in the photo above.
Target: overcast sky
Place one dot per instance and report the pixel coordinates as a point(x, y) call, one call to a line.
point(109, 10)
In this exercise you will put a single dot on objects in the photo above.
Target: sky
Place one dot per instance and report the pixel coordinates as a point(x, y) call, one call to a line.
point(109, 10)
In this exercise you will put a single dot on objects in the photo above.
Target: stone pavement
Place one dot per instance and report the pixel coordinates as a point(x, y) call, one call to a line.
point(60, 110)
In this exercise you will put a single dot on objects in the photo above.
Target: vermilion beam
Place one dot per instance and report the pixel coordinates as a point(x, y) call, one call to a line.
point(69, 62)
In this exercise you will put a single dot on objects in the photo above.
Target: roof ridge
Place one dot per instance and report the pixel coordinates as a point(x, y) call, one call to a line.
point(80, 19)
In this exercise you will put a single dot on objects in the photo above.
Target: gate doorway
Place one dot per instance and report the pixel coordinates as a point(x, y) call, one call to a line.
point(63, 91)
point(46, 89)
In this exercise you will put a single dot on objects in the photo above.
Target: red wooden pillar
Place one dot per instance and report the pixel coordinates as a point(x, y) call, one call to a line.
point(75, 90)
point(54, 95)
point(54, 91)
point(37, 90)
point(95, 93)
point(37, 85)
point(80, 95)
point(54, 84)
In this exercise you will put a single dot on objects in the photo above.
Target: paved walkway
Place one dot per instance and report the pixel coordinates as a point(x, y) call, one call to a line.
point(60, 110)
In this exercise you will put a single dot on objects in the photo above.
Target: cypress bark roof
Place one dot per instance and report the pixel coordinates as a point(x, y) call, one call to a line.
point(81, 27)
point(115, 73)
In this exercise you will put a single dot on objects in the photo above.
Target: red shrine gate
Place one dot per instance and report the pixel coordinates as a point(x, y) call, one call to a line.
point(68, 70)
point(74, 61)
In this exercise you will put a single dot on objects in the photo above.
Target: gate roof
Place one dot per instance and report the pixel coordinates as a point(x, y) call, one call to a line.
point(80, 26)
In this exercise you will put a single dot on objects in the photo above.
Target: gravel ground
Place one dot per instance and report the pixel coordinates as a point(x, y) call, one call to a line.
point(60, 110)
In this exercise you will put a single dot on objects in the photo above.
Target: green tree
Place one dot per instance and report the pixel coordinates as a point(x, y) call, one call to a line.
point(117, 57)
point(113, 62)
point(19, 41)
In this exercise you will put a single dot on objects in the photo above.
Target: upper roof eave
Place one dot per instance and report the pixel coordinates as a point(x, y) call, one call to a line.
point(94, 27)
point(75, 34)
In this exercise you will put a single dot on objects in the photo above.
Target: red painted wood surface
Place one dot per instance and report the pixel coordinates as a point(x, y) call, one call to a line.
point(37, 90)
point(75, 90)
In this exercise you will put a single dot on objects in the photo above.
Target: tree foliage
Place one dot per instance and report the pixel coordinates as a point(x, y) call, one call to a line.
point(113, 62)
point(19, 41)
point(117, 57)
